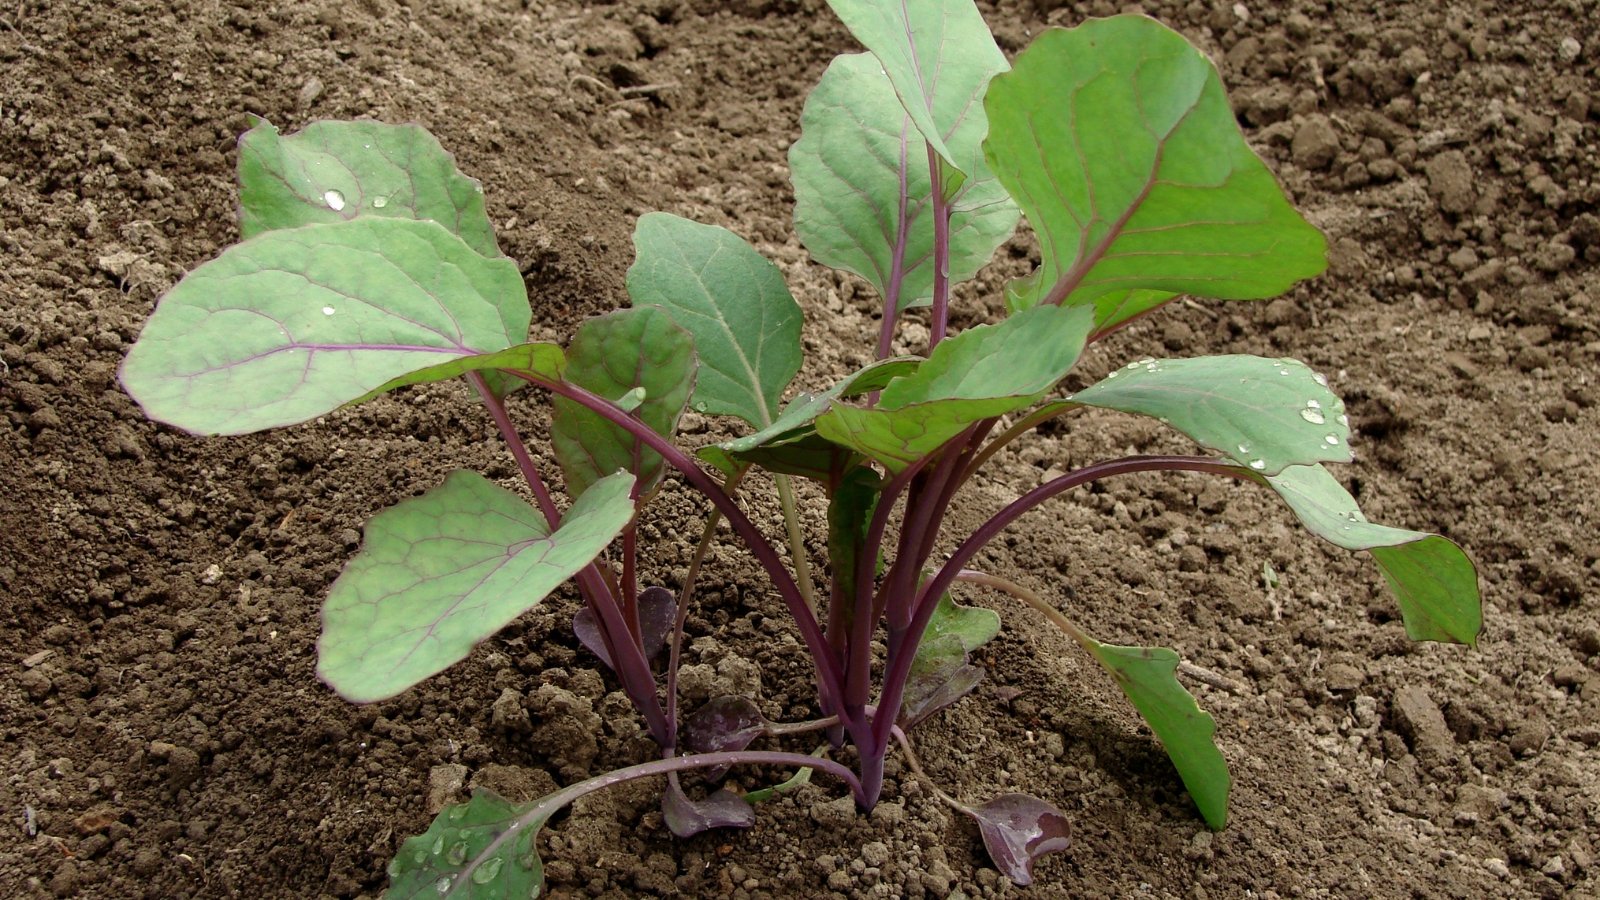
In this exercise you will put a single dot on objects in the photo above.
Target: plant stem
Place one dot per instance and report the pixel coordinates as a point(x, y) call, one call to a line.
point(1015, 430)
point(941, 253)
point(891, 294)
point(827, 668)
point(547, 806)
point(519, 451)
point(797, 541)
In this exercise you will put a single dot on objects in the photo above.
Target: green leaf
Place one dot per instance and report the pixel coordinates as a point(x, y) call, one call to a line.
point(850, 509)
point(973, 626)
point(538, 358)
point(295, 323)
point(1265, 413)
point(938, 55)
point(1145, 675)
point(1116, 139)
point(983, 372)
point(443, 571)
point(615, 355)
point(746, 325)
point(940, 672)
point(334, 171)
point(863, 196)
point(458, 857)
point(1434, 582)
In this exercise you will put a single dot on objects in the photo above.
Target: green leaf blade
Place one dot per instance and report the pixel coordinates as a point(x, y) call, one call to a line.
point(1147, 676)
point(1434, 583)
point(1267, 414)
point(337, 171)
point(613, 356)
point(863, 192)
point(295, 323)
point(441, 572)
point(745, 323)
point(1116, 139)
point(938, 55)
point(470, 852)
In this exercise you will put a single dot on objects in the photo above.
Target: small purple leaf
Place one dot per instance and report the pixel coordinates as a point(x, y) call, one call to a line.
point(1017, 830)
point(725, 723)
point(687, 818)
point(658, 609)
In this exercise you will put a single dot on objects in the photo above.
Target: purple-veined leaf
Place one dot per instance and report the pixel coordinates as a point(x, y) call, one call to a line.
point(295, 323)
point(469, 852)
point(1017, 829)
point(940, 672)
point(721, 808)
point(440, 572)
point(723, 723)
point(1116, 140)
point(658, 610)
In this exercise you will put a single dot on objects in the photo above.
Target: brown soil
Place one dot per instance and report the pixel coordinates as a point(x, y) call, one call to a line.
point(161, 731)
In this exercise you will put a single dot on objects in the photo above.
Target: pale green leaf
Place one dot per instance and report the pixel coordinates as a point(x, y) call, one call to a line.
point(863, 196)
point(297, 322)
point(441, 572)
point(614, 356)
point(1116, 139)
point(1265, 413)
point(1146, 676)
point(746, 325)
point(1434, 583)
point(334, 171)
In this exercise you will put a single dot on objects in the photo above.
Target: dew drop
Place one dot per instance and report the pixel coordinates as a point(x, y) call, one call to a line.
point(380, 202)
point(1332, 439)
point(1112, 374)
point(487, 872)
point(458, 853)
point(1344, 419)
point(1319, 378)
point(1258, 464)
point(393, 868)
point(334, 199)
point(419, 857)
point(1244, 448)
point(456, 812)
point(1314, 416)
point(438, 845)
point(443, 884)
point(328, 310)
point(699, 406)
point(1313, 404)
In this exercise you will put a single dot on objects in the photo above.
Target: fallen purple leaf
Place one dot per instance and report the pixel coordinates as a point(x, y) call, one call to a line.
point(687, 818)
point(1018, 829)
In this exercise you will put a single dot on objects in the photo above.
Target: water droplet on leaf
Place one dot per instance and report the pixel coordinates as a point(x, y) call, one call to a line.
point(438, 845)
point(1332, 439)
point(1313, 404)
point(328, 310)
point(1344, 419)
point(1244, 448)
point(443, 884)
point(334, 199)
point(699, 406)
point(1319, 378)
point(1258, 464)
point(380, 202)
point(1314, 416)
point(487, 872)
point(458, 853)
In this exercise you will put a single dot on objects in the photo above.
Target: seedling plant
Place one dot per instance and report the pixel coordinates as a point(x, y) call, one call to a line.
point(368, 263)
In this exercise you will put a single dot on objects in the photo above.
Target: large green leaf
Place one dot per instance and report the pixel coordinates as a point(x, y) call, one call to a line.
point(1116, 139)
point(983, 372)
point(1146, 676)
point(1265, 413)
point(612, 355)
point(478, 850)
point(939, 56)
point(333, 171)
point(443, 571)
point(746, 325)
point(863, 193)
point(294, 323)
point(1434, 582)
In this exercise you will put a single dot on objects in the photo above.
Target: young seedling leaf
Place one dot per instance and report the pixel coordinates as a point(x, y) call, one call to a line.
point(335, 171)
point(940, 675)
point(1017, 830)
point(658, 609)
point(724, 723)
point(986, 371)
point(443, 571)
point(863, 195)
point(1146, 676)
point(800, 778)
point(1116, 139)
point(470, 852)
point(616, 355)
point(686, 818)
point(295, 323)
point(1265, 413)
point(746, 325)
point(939, 56)
point(973, 626)
point(1433, 581)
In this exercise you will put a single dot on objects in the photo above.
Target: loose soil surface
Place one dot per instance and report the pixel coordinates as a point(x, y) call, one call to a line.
point(161, 730)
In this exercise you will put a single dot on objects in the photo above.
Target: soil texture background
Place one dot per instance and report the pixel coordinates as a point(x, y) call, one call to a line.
point(162, 734)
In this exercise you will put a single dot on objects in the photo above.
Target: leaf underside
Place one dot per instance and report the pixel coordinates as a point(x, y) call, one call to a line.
point(1117, 141)
point(441, 572)
point(295, 323)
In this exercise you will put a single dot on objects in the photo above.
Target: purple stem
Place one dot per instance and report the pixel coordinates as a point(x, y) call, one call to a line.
point(891, 294)
point(941, 254)
point(631, 666)
point(827, 668)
